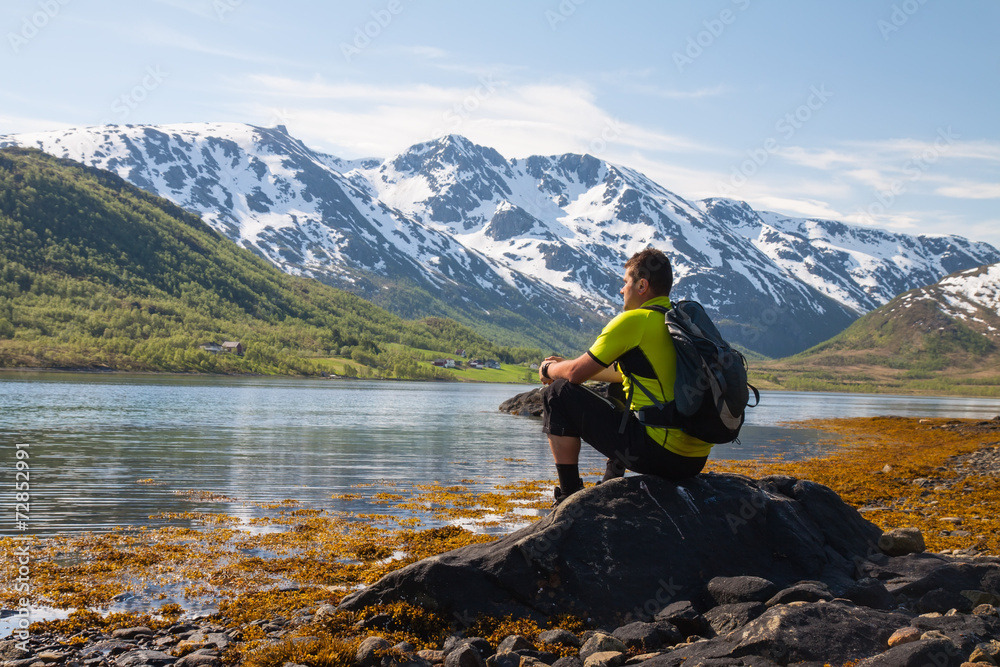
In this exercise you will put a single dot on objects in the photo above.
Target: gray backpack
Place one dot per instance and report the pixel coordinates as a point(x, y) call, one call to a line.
point(711, 392)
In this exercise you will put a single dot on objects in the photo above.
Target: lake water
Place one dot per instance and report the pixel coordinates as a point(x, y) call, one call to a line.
point(92, 437)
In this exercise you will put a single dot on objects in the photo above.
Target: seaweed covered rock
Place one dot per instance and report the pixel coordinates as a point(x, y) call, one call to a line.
point(627, 548)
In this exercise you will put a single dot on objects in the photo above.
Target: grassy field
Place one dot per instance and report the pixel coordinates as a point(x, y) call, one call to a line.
point(849, 373)
point(506, 374)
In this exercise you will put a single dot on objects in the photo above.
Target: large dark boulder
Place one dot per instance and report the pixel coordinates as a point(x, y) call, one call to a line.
point(525, 404)
point(922, 653)
point(820, 632)
point(529, 403)
point(627, 548)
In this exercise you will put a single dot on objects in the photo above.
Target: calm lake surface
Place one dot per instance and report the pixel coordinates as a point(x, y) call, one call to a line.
point(92, 437)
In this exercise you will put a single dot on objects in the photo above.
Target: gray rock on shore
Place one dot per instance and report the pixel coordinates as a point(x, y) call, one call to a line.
point(526, 404)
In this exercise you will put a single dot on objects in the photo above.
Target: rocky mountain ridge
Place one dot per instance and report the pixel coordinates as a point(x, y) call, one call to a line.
point(521, 245)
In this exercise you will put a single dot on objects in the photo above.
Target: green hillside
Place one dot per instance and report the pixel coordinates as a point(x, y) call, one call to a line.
point(95, 273)
point(907, 346)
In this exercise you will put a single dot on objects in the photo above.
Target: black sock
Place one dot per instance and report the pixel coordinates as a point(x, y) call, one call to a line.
point(615, 469)
point(569, 477)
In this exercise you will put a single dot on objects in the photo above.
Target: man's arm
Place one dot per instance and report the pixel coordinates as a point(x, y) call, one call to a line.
point(577, 370)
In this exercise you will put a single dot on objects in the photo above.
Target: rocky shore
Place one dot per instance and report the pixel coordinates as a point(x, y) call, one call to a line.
point(187, 644)
point(918, 609)
point(722, 570)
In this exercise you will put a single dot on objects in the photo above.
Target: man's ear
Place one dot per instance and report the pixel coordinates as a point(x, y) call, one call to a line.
point(643, 285)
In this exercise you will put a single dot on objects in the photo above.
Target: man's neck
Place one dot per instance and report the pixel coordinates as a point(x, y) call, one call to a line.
point(651, 299)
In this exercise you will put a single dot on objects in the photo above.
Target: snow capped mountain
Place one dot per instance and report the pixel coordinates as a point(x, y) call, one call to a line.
point(268, 192)
point(454, 228)
point(859, 266)
point(971, 296)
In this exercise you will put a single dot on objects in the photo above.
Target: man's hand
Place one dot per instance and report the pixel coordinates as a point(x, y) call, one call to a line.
point(577, 370)
point(547, 366)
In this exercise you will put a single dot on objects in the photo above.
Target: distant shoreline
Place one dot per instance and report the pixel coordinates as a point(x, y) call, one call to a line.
point(115, 371)
point(763, 386)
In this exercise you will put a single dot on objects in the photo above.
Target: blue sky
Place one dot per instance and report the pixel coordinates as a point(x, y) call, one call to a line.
point(876, 112)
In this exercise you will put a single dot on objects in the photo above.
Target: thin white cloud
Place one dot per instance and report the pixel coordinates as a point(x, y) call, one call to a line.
point(673, 94)
point(823, 158)
point(422, 51)
point(200, 8)
point(806, 208)
point(18, 125)
point(147, 33)
point(516, 119)
point(868, 176)
point(893, 153)
point(971, 191)
point(948, 143)
point(175, 39)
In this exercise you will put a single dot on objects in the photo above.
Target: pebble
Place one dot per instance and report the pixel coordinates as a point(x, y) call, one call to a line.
point(605, 659)
point(515, 643)
point(431, 655)
point(132, 633)
point(199, 660)
point(904, 636)
point(365, 656)
point(140, 657)
point(988, 652)
point(559, 636)
point(503, 659)
point(465, 655)
point(901, 541)
point(600, 642)
point(51, 656)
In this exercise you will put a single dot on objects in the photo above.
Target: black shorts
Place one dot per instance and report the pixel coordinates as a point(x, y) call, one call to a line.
point(574, 410)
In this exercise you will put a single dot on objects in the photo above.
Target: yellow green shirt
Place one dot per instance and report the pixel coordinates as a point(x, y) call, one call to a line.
point(638, 341)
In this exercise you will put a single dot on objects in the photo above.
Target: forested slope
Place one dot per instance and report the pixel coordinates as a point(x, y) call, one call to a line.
point(95, 273)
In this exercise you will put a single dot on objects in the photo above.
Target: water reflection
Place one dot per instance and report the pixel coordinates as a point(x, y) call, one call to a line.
point(111, 450)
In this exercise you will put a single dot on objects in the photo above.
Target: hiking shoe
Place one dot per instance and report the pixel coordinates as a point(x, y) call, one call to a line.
point(613, 470)
point(559, 496)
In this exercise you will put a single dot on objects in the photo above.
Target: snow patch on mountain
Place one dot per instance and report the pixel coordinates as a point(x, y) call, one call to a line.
point(973, 295)
point(544, 236)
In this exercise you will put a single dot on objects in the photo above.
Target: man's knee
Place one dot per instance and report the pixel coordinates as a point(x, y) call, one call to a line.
point(554, 392)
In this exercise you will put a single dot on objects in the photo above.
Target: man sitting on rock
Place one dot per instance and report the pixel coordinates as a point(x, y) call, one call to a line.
point(638, 342)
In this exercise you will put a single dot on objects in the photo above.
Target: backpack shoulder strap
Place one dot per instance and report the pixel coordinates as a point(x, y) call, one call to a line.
point(634, 381)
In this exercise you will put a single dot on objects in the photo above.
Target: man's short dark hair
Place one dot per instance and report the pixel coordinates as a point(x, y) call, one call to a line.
point(653, 265)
